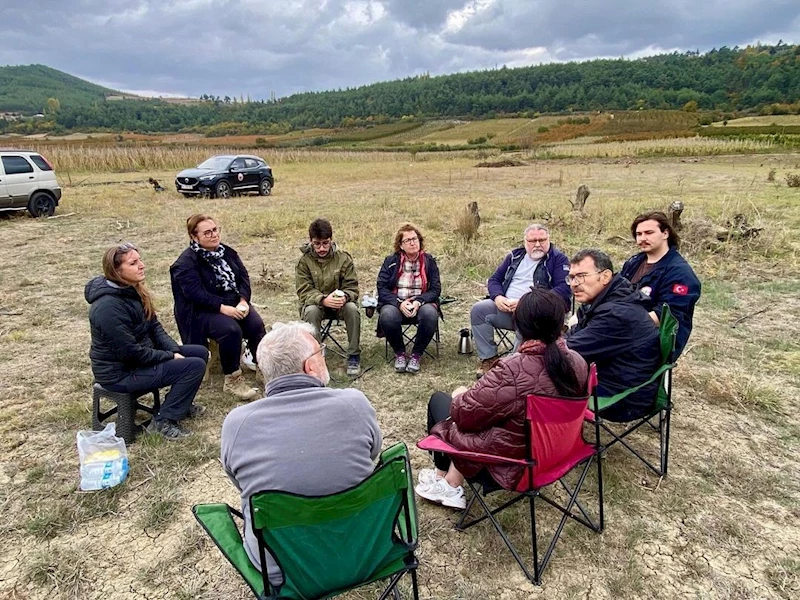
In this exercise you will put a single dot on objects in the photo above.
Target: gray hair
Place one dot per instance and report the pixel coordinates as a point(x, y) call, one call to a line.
point(284, 349)
point(536, 227)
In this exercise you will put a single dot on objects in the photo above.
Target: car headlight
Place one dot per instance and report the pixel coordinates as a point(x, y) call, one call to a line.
point(207, 178)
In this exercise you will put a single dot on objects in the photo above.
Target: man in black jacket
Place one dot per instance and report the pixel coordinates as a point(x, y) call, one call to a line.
point(615, 332)
point(661, 273)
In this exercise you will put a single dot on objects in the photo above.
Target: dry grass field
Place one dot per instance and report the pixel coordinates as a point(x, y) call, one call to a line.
point(725, 523)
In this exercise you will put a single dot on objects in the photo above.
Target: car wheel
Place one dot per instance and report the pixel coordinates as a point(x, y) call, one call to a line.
point(265, 188)
point(223, 190)
point(41, 205)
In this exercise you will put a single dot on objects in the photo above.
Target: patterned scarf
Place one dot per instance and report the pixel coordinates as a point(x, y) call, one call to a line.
point(226, 279)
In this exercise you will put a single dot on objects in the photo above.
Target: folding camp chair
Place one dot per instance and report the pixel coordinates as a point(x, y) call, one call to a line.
point(327, 545)
point(409, 340)
point(662, 402)
point(505, 342)
point(326, 334)
point(554, 446)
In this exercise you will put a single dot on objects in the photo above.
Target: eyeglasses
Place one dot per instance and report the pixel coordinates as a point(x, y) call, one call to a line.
point(320, 351)
point(412, 240)
point(322, 244)
point(125, 247)
point(540, 242)
point(578, 278)
point(209, 233)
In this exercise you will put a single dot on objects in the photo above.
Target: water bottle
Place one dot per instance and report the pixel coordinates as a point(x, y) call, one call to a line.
point(98, 475)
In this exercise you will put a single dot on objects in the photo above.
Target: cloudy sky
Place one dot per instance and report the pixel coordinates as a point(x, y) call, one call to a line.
point(260, 47)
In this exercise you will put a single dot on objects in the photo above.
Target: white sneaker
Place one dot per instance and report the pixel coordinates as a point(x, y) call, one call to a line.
point(247, 359)
point(443, 493)
point(427, 477)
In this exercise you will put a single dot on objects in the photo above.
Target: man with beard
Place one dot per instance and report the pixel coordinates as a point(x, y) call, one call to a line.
point(303, 437)
point(537, 264)
point(662, 274)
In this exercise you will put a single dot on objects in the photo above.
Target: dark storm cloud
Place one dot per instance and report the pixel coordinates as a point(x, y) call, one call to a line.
point(233, 47)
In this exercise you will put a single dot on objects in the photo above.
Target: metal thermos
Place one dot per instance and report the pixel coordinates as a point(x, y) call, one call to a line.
point(465, 341)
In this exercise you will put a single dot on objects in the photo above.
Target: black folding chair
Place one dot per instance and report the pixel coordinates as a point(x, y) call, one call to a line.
point(505, 340)
point(326, 334)
point(409, 340)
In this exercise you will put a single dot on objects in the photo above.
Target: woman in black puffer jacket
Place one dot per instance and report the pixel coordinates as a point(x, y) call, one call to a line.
point(130, 350)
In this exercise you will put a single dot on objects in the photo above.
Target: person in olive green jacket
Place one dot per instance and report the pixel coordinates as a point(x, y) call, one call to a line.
point(327, 286)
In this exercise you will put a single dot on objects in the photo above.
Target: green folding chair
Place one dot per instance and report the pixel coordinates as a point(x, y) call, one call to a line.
point(327, 545)
point(661, 408)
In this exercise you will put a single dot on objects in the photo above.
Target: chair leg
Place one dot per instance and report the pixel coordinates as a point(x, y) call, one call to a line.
point(664, 439)
point(126, 419)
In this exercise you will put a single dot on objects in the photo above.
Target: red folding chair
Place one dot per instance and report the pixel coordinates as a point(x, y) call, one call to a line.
point(554, 447)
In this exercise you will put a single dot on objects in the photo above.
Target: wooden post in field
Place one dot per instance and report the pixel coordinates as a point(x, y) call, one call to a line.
point(674, 214)
point(580, 199)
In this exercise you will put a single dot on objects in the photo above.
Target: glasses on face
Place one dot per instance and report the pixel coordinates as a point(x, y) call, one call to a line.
point(321, 244)
point(578, 278)
point(209, 233)
point(411, 240)
point(320, 351)
point(537, 242)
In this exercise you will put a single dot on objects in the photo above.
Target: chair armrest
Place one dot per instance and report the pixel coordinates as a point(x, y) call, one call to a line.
point(605, 402)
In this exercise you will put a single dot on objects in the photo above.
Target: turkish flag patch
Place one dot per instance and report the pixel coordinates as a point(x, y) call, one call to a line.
point(680, 289)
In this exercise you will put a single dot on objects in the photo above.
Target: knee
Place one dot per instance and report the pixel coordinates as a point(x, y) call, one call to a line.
point(390, 315)
point(480, 311)
point(225, 327)
point(428, 313)
point(350, 309)
point(312, 314)
point(195, 367)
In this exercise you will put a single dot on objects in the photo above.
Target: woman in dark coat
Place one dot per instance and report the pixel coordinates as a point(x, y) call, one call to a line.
point(490, 417)
point(211, 289)
point(408, 292)
point(130, 350)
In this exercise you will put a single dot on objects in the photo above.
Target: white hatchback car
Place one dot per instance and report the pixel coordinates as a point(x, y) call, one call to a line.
point(28, 182)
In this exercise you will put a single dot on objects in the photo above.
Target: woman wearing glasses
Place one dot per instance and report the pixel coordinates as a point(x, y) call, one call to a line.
point(408, 292)
point(130, 350)
point(211, 289)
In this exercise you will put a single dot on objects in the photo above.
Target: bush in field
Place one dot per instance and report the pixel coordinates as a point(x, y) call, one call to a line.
point(543, 129)
point(477, 141)
point(793, 180)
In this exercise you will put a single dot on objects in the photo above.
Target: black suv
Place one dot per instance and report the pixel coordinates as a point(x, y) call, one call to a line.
point(224, 175)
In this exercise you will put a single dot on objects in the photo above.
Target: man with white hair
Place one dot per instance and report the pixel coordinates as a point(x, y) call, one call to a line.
point(536, 264)
point(302, 437)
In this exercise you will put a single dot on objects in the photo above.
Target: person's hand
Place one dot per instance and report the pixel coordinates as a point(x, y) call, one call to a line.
point(177, 355)
point(333, 302)
point(512, 304)
point(407, 308)
point(654, 316)
point(503, 304)
point(415, 308)
point(573, 320)
point(230, 311)
point(243, 307)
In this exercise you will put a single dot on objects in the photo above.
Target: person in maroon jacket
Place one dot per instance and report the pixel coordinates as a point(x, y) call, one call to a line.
point(490, 417)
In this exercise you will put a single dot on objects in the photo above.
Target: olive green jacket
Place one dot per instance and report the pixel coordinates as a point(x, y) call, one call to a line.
point(317, 277)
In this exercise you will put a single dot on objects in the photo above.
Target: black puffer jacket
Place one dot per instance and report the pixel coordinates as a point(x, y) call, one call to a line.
point(122, 338)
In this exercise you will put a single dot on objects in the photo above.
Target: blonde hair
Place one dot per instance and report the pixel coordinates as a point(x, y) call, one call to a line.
point(112, 259)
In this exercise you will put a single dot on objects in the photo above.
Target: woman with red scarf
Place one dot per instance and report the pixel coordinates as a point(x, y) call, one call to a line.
point(408, 292)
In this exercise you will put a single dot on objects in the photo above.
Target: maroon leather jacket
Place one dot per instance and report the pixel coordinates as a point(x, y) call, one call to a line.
point(490, 417)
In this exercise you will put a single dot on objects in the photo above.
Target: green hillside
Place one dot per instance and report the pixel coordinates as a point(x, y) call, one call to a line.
point(26, 89)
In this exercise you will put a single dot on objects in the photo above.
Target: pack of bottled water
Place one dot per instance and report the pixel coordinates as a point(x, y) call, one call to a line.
point(104, 458)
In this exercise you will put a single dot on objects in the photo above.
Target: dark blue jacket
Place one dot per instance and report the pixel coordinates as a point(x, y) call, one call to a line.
point(388, 275)
point(671, 281)
point(194, 289)
point(550, 274)
point(617, 334)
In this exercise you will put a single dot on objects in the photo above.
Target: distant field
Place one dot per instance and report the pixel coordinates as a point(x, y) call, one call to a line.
point(762, 121)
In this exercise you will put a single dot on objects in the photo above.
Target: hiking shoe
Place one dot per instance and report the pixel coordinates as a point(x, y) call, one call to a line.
point(443, 493)
point(195, 410)
point(485, 365)
point(427, 477)
point(354, 365)
point(413, 364)
point(168, 429)
point(400, 362)
point(235, 385)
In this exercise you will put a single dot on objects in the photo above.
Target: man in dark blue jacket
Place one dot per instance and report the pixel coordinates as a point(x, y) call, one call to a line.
point(615, 332)
point(537, 264)
point(662, 274)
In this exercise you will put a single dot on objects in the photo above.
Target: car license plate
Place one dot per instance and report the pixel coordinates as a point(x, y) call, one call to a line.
point(185, 187)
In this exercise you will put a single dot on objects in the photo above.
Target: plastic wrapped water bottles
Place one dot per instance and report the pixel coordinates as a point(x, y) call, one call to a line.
point(104, 458)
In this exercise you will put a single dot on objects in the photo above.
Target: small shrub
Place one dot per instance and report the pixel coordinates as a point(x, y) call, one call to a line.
point(771, 175)
point(793, 180)
point(543, 129)
point(477, 141)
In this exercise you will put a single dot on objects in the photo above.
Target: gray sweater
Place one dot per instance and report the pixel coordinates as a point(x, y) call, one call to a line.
point(303, 438)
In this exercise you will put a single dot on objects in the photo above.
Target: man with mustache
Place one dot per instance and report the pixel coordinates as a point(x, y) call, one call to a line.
point(661, 273)
point(537, 264)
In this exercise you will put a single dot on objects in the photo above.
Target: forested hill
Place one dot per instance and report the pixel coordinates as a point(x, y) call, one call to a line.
point(27, 88)
point(726, 79)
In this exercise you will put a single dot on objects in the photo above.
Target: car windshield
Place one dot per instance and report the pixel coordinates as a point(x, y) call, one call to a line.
point(216, 163)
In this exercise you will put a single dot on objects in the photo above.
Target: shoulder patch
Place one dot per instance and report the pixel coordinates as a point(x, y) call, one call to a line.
point(680, 289)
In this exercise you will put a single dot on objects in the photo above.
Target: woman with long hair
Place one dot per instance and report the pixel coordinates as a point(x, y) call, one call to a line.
point(130, 350)
point(490, 417)
point(408, 292)
point(211, 289)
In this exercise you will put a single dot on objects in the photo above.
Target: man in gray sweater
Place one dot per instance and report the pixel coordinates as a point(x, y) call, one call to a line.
point(303, 437)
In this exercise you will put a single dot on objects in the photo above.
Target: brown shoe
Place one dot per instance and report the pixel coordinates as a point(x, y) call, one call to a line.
point(237, 386)
point(485, 365)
